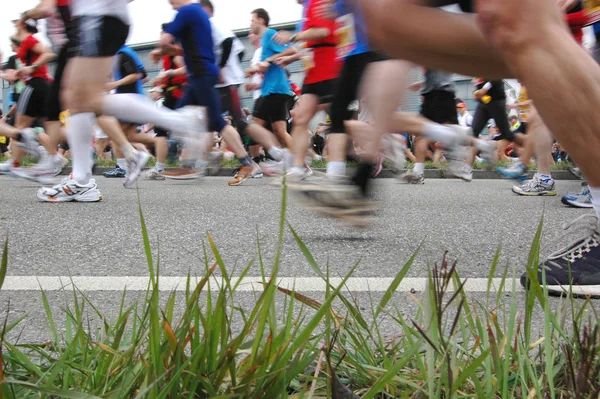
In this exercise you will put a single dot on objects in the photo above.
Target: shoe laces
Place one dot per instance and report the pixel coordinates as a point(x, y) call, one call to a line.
point(585, 228)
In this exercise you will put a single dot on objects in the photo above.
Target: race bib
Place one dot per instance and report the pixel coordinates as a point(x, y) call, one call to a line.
point(346, 35)
point(308, 59)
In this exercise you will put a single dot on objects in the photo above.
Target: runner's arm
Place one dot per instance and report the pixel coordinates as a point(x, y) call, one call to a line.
point(43, 10)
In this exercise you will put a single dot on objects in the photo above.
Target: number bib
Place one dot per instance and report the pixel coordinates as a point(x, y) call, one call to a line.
point(308, 59)
point(346, 35)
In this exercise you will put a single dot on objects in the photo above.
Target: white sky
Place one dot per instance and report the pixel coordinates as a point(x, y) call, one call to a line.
point(148, 15)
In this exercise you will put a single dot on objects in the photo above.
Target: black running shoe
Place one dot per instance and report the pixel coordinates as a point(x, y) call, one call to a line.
point(576, 267)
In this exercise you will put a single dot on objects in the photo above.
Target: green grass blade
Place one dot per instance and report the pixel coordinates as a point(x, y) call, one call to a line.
point(4, 262)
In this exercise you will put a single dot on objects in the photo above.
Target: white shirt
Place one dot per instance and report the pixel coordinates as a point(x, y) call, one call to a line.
point(232, 71)
point(257, 77)
point(465, 120)
point(100, 8)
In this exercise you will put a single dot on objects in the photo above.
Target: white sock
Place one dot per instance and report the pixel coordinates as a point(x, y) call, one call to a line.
point(80, 131)
point(441, 133)
point(595, 191)
point(276, 153)
point(336, 168)
point(160, 166)
point(121, 162)
point(288, 159)
point(128, 150)
point(543, 177)
point(418, 169)
point(139, 109)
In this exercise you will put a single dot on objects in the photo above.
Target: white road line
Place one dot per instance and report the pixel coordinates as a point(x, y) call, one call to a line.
point(248, 284)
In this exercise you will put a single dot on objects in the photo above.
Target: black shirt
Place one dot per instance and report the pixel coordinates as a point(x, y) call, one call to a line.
point(496, 91)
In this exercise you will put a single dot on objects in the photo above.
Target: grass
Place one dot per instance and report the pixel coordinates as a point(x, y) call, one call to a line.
point(291, 345)
point(234, 164)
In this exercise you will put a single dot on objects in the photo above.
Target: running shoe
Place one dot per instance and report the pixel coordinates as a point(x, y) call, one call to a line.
point(393, 151)
point(410, 178)
point(273, 168)
point(536, 187)
point(461, 170)
point(576, 267)
point(134, 167)
point(6, 166)
point(336, 198)
point(575, 171)
point(116, 172)
point(154, 174)
point(583, 199)
point(43, 174)
point(182, 173)
point(518, 172)
point(241, 176)
point(69, 190)
point(29, 141)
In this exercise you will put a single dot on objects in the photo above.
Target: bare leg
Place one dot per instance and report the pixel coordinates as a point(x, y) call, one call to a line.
point(280, 130)
point(305, 111)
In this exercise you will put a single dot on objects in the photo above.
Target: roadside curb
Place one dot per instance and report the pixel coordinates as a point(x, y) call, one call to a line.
point(385, 174)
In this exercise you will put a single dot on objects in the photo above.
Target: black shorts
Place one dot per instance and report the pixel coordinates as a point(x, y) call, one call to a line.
point(272, 108)
point(325, 90)
point(466, 5)
point(346, 90)
point(439, 106)
point(32, 101)
point(100, 36)
point(53, 102)
point(495, 110)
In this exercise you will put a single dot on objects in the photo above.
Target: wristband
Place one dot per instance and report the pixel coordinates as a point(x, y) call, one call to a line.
point(487, 86)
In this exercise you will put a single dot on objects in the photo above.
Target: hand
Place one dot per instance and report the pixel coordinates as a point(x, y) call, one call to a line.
point(282, 37)
point(3, 119)
point(24, 72)
point(263, 66)
point(156, 55)
point(161, 76)
point(110, 86)
point(250, 71)
point(284, 61)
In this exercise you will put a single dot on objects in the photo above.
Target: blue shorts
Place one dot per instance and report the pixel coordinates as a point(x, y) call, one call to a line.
point(200, 91)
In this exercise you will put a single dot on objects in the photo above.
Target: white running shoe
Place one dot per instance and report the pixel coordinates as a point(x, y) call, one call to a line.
point(134, 167)
point(6, 167)
point(42, 173)
point(69, 190)
point(29, 142)
point(393, 150)
point(154, 174)
point(273, 168)
point(461, 170)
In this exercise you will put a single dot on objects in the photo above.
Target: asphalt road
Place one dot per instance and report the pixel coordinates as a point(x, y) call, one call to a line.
point(101, 243)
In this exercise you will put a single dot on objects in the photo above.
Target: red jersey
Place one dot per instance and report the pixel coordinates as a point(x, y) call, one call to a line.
point(577, 20)
point(28, 57)
point(173, 84)
point(324, 64)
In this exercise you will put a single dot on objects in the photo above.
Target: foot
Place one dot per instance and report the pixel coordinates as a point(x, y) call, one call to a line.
point(461, 170)
point(6, 166)
point(69, 190)
point(334, 197)
point(29, 141)
point(536, 187)
point(410, 178)
point(393, 151)
point(116, 172)
point(517, 171)
point(42, 173)
point(575, 171)
point(134, 167)
point(273, 168)
point(182, 173)
point(243, 174)
point(576, 267)
point(154, 174)
point(583, 199)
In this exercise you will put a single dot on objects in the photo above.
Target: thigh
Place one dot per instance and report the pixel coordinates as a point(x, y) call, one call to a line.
point(306, 109)
point(100, 36)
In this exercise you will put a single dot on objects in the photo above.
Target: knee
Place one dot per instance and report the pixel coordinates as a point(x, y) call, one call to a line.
point(80, 99)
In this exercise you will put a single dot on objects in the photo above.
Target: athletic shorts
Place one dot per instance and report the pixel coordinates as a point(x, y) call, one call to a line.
point(100, 36)
point(346, 90)
point(32, 101)
point(439, 107)
point(466, 5)
point(495, 110)
point(201, 92)
point(325, 90)
point(272, 108)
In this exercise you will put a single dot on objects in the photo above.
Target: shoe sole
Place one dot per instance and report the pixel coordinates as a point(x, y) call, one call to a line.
point(577, 291)
point(544, 194)
point(44, 198)
point(188, 177)
point(238, 183)
point(37, 179)
point(575, 204)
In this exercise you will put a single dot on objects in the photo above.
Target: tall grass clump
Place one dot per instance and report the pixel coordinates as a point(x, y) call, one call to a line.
point(206, 344)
